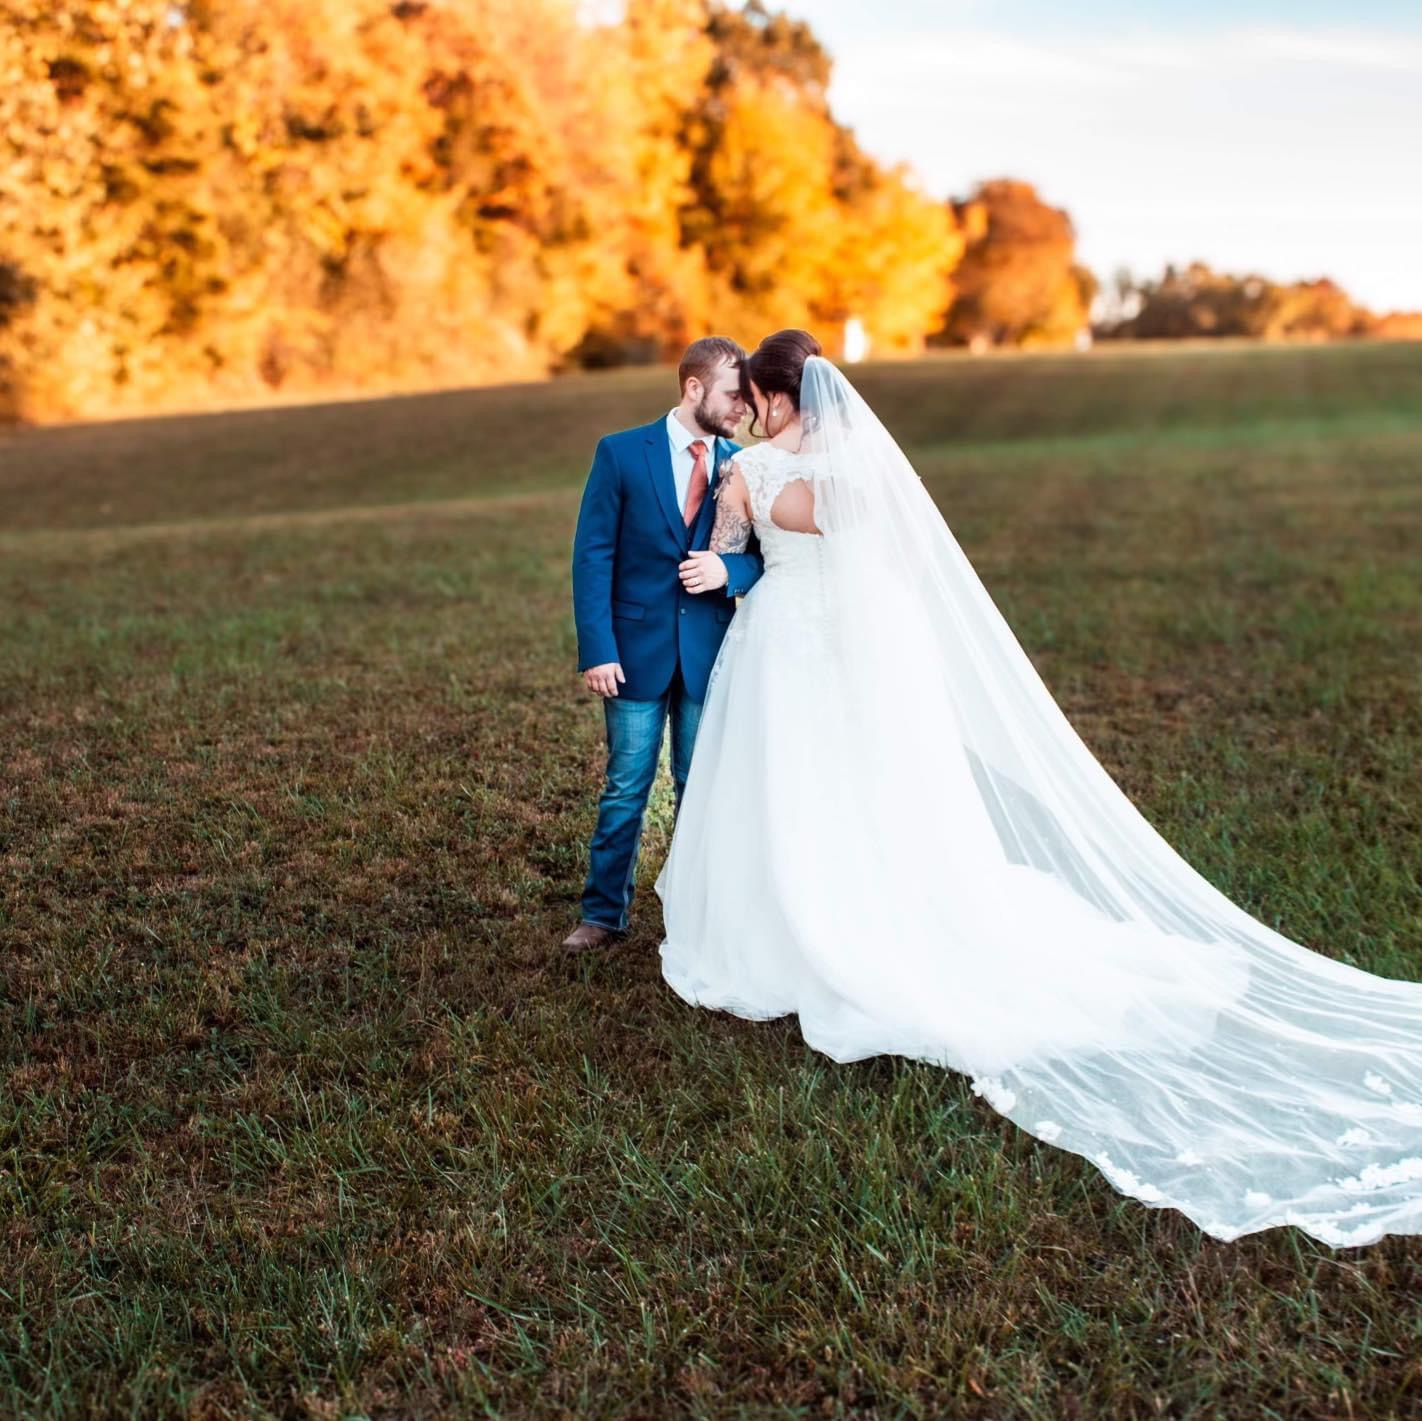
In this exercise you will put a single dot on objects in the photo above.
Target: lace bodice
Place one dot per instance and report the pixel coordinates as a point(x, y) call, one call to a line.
point(766, 470)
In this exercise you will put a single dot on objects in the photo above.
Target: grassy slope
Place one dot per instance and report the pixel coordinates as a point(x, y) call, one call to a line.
point(301, 1117)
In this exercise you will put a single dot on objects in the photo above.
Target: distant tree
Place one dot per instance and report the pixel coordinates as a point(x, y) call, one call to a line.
point(1197, 301)
point(1319, 310)
point(896, 253)
point(1018, 283)
point(798, 225)
point(1399, 325)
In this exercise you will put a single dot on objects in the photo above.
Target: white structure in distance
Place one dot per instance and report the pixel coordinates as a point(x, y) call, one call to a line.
point(856, 341)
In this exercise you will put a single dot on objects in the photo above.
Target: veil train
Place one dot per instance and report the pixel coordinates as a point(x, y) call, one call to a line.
point(1028, 926)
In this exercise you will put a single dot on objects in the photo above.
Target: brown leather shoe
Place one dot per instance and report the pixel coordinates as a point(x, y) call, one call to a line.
point(586, 936)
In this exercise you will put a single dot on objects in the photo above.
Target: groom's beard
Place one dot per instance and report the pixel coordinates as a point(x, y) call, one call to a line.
point(724, 425)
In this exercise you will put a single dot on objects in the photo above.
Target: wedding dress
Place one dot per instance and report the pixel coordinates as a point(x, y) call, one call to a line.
point(891, 830)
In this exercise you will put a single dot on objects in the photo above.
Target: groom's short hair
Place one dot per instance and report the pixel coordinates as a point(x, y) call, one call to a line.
point(704, 355)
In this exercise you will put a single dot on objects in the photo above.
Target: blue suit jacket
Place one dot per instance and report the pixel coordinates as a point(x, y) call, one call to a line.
point(628, 602)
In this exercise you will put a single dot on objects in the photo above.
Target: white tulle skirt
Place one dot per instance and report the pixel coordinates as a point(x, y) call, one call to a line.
point(832, 858)
point(835, 857)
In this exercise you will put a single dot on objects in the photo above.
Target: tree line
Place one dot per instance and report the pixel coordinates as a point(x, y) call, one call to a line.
point(1197, 301)
point(223, 201)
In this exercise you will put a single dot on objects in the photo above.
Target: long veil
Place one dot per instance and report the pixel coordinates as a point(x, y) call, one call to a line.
point(1100, 992)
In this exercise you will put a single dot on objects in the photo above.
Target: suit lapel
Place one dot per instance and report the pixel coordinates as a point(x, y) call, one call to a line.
point(659, 470)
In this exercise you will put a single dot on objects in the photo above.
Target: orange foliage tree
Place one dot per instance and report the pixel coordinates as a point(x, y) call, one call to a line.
point(108, 227)
point(799, 227)
point(324, 194)
point(1019, 282)
point(207, 202)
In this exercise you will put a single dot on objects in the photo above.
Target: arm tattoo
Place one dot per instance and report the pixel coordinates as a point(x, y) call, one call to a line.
point(731, 531)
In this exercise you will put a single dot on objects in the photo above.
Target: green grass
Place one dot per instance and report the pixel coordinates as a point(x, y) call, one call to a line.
point(303, 1117)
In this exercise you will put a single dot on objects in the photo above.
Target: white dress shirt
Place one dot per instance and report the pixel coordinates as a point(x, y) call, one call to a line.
point(683, 460)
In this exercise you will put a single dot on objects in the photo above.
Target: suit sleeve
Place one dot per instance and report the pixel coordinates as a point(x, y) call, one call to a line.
point(594, 555)
point(743, 570)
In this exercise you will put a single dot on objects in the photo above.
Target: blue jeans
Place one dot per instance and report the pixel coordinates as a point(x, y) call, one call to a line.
point(634, 744)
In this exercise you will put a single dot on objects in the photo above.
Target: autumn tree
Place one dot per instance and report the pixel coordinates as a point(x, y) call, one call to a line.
point(799, 226)
point(336, 193)
point(1019, 282)
point(429, 183)
point(1315, 310)
point(209, 202)
point(897, 250)
point(1197, 301)
point(655, 62)
point(109, 231)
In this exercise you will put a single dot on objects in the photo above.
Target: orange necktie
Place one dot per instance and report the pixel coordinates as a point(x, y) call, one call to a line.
point(696, 490)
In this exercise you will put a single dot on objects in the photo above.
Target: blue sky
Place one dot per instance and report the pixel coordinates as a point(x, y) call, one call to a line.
point(1284, 138)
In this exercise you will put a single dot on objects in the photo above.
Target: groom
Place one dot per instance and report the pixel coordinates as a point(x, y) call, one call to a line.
point(651, 617)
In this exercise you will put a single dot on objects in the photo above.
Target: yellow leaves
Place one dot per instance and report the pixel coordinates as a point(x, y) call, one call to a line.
point(243, 134)
point(768, 220)
point(975, 218)
point(1017, 283)
point(897, 249)
point(319, 194)
point(808, 231)
point(771, 164)
point(324, 230)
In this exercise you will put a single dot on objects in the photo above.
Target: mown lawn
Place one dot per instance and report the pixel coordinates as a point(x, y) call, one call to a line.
point(302, 1116)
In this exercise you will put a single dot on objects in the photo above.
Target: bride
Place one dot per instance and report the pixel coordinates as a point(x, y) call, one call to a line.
point(890, 829)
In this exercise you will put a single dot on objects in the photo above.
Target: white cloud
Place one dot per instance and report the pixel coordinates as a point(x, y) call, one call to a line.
point(930, 59)
point(1392, 53)
point(1295, 152)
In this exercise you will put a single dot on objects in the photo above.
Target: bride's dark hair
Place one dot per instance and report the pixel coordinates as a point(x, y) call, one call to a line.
point(776, 365)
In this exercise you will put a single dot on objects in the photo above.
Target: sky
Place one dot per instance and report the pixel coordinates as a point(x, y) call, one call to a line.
point(1262, 136)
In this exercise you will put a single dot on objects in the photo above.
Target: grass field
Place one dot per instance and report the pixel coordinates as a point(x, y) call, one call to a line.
point(301, 1115)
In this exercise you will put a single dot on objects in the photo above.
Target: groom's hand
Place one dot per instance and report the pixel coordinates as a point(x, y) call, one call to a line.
point(702, 572)
point(602, 680)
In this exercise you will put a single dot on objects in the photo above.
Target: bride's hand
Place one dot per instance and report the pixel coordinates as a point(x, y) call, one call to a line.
point(702, 572)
